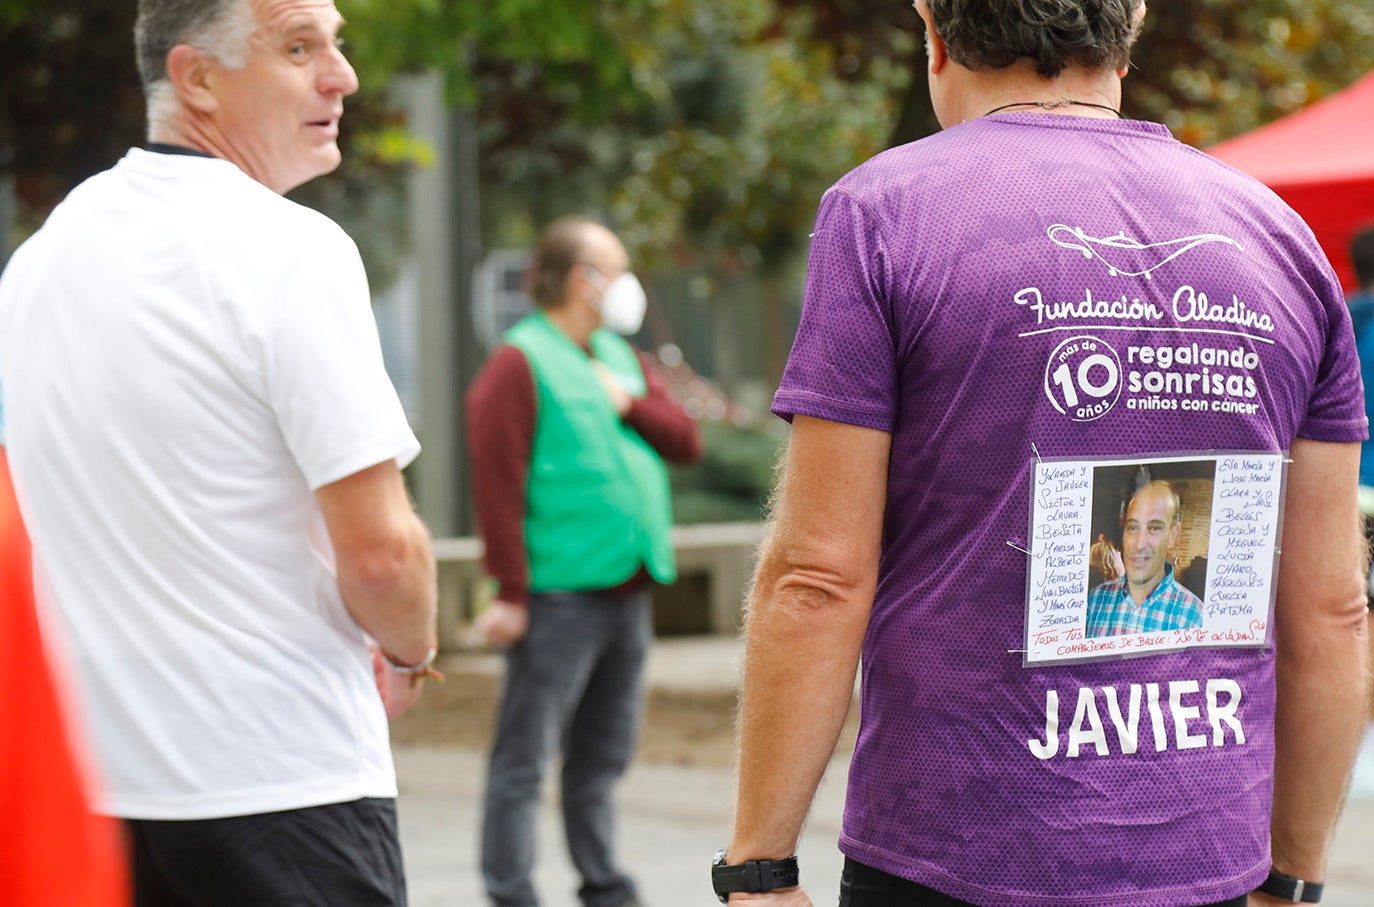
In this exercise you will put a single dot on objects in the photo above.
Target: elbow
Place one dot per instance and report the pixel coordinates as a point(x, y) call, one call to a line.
point(812, 593)
point(796, 608)
point(386, 564)
point(1350, 605)
point(809, 592)
point(1340, 617)
point(689, 450)
point(677, 440)
point(379, 566)
point(811, 577)
point(1356, 618)
point(694, 449)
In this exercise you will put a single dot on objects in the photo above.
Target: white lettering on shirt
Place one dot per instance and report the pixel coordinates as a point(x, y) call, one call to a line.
point(1127, 729)
point(1086, 711)
point(1191, 706)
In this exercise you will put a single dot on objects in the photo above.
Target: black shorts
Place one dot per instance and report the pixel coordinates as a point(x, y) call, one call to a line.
point(864, 886)
point(341, 855)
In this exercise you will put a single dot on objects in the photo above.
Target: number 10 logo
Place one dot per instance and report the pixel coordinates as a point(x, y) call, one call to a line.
point(1083, 378)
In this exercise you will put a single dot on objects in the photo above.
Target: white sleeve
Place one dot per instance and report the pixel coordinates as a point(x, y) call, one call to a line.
point(337, 408)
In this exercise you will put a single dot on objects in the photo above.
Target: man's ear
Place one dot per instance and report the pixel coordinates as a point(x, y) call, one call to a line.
point(936, 50)
point(577, 284)
point(937, 54)
point(1137, 19)
point(190, 74)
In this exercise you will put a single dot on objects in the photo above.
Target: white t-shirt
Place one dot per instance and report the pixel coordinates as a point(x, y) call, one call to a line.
point(185, 357)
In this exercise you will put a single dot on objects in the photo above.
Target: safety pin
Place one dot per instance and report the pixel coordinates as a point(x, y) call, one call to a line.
point(1023, 550)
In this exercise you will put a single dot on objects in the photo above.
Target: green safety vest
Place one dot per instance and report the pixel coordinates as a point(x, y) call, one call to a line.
point(597, 501)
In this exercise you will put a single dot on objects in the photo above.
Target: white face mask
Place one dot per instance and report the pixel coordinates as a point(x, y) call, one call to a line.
point(622, 303)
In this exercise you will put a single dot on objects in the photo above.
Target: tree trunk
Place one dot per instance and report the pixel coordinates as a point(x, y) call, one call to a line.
point(916, 117)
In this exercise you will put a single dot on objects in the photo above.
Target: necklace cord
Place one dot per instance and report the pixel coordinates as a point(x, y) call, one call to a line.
point(1051, 105)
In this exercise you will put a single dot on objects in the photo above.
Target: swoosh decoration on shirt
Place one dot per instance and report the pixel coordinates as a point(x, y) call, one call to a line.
point(1128, 257)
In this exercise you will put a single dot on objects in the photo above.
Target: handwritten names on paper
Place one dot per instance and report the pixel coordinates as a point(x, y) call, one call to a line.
point(1059, 547)
point(1242, 539)
point(1240, 571)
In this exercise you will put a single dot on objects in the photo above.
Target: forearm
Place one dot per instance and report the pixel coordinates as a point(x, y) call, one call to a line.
point(1319, 628)
point(392, 594)
point(808, 614)
point(1319, 720)
point(801, 654)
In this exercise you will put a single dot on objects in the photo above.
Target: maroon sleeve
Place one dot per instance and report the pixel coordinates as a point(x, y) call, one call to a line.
point(660, 420)
point(500, 420)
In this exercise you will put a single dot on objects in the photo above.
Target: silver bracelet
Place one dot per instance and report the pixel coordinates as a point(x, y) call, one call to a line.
point(408, 670)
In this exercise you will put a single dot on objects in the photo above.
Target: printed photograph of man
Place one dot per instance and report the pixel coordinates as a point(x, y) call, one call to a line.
point(1146, 598)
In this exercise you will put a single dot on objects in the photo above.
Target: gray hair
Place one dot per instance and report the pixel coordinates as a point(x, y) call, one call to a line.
point(1054, 34)
point(219, 28)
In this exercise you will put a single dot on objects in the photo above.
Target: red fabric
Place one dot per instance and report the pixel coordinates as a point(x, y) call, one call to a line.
point(500, 408)
point(659, 419)
point(53, 851)
point(1319, 160)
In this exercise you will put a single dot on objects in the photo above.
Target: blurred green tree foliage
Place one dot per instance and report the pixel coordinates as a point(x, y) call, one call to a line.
point(705, 129)
point(1212, 69)
point(708, 127)
point(732, 479)
point(70, 103)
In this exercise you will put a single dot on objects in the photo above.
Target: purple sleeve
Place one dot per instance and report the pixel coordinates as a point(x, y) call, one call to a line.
point(843, 365)
point(1336, 410)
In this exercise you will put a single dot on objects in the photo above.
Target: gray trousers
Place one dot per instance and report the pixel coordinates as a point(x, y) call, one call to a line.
point(575, 679)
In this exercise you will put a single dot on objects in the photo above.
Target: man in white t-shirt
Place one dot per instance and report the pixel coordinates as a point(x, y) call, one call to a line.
point(207, 451)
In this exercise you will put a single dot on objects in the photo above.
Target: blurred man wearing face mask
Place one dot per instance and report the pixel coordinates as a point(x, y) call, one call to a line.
point(568, 430)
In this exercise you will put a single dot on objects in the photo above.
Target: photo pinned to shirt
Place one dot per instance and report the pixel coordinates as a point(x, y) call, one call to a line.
point(1145, 556)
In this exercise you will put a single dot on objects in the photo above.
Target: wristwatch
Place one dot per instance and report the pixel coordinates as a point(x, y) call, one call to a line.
point(753, 876)
point(1290, 889)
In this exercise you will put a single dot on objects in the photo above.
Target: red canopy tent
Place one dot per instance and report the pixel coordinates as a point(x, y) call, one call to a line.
point(1321, 161)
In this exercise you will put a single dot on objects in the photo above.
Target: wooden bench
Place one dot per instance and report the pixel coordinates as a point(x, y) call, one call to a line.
point(715, 562)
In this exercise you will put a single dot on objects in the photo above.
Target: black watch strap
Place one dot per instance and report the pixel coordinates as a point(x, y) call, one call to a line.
point(752, 876)
point(1288, 888)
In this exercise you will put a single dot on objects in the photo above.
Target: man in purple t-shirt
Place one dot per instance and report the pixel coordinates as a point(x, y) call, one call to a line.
point(1000, 322)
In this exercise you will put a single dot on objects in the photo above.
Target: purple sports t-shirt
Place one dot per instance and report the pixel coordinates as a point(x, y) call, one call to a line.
point(950, 281)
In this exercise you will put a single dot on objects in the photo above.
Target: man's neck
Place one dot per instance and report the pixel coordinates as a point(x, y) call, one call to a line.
point(576, 324)
point(172, 130)
point(173, 148)
point(1140, 593)
point(1020, 88)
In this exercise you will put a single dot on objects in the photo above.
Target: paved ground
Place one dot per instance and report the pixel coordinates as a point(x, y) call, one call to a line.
point(674, 818)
